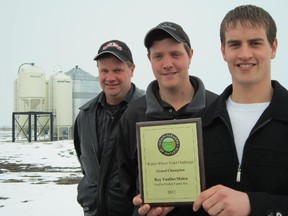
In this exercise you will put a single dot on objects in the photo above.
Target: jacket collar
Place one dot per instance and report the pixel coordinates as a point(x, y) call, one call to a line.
point(197, 103)
point(277, 109)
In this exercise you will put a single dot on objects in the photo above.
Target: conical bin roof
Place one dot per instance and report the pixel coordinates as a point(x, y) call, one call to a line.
point(78, 74)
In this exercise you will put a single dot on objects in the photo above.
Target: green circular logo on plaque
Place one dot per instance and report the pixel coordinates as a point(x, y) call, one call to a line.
point(168, 144)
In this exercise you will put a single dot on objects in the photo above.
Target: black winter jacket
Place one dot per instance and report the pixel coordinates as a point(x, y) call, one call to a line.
point(264, 166)
point(148, 108)
point(99, 188)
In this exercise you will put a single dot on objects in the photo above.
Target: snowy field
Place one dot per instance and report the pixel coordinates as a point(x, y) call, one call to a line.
point(38, 178)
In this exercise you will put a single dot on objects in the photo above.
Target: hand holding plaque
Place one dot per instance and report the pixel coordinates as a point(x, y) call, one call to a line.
point(170, 156)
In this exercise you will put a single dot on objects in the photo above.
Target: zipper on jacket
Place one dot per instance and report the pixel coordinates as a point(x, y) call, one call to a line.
point(238, 177)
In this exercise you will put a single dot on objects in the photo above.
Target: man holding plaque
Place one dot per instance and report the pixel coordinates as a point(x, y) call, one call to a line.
point(245, 130)
point(173, 95)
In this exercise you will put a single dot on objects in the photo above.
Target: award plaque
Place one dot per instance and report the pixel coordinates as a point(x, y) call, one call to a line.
point(170, 159)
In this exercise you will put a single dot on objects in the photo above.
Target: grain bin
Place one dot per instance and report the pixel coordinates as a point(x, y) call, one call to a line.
point(29, 96)
point(29, 89)
point(85, 87)
point(60, 101)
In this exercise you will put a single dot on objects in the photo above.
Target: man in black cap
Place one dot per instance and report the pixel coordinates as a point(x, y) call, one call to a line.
point(95, 132)
point(173, 95)
point(245, 129)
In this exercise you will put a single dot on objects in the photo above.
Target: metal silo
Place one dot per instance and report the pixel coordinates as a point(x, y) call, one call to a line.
point(60, 101)
point(85, 87)
point(29, 89)
point(29, 101)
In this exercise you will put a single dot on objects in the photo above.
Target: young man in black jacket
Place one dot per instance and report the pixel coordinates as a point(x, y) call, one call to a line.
point(95, 133)
point(245, 129)
point(173, 95)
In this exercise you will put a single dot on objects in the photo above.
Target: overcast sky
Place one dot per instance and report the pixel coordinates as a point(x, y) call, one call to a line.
point(60, 34)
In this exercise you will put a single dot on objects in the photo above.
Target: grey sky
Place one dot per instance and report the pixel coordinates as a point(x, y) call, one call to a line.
point(59, 34)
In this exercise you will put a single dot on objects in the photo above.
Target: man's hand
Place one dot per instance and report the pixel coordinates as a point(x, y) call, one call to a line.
point(223, 201)
point(147, 210)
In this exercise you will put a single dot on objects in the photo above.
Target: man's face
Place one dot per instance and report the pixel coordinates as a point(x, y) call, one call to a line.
point(115, 78)
point(170, 62)
point(248, 55)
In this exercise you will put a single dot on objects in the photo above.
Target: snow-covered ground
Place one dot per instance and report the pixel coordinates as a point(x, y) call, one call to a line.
point(38, 178)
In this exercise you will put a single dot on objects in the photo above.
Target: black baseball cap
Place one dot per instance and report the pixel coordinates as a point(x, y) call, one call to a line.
point(173, 29)
point(116, 48)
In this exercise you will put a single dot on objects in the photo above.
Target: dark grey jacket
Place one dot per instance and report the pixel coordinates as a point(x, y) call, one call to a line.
point(99, 190)
point(148, 108)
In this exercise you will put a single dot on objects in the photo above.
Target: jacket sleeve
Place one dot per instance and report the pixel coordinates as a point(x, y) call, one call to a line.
point(267, 204)
point(126, 150)
point(77, 142)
